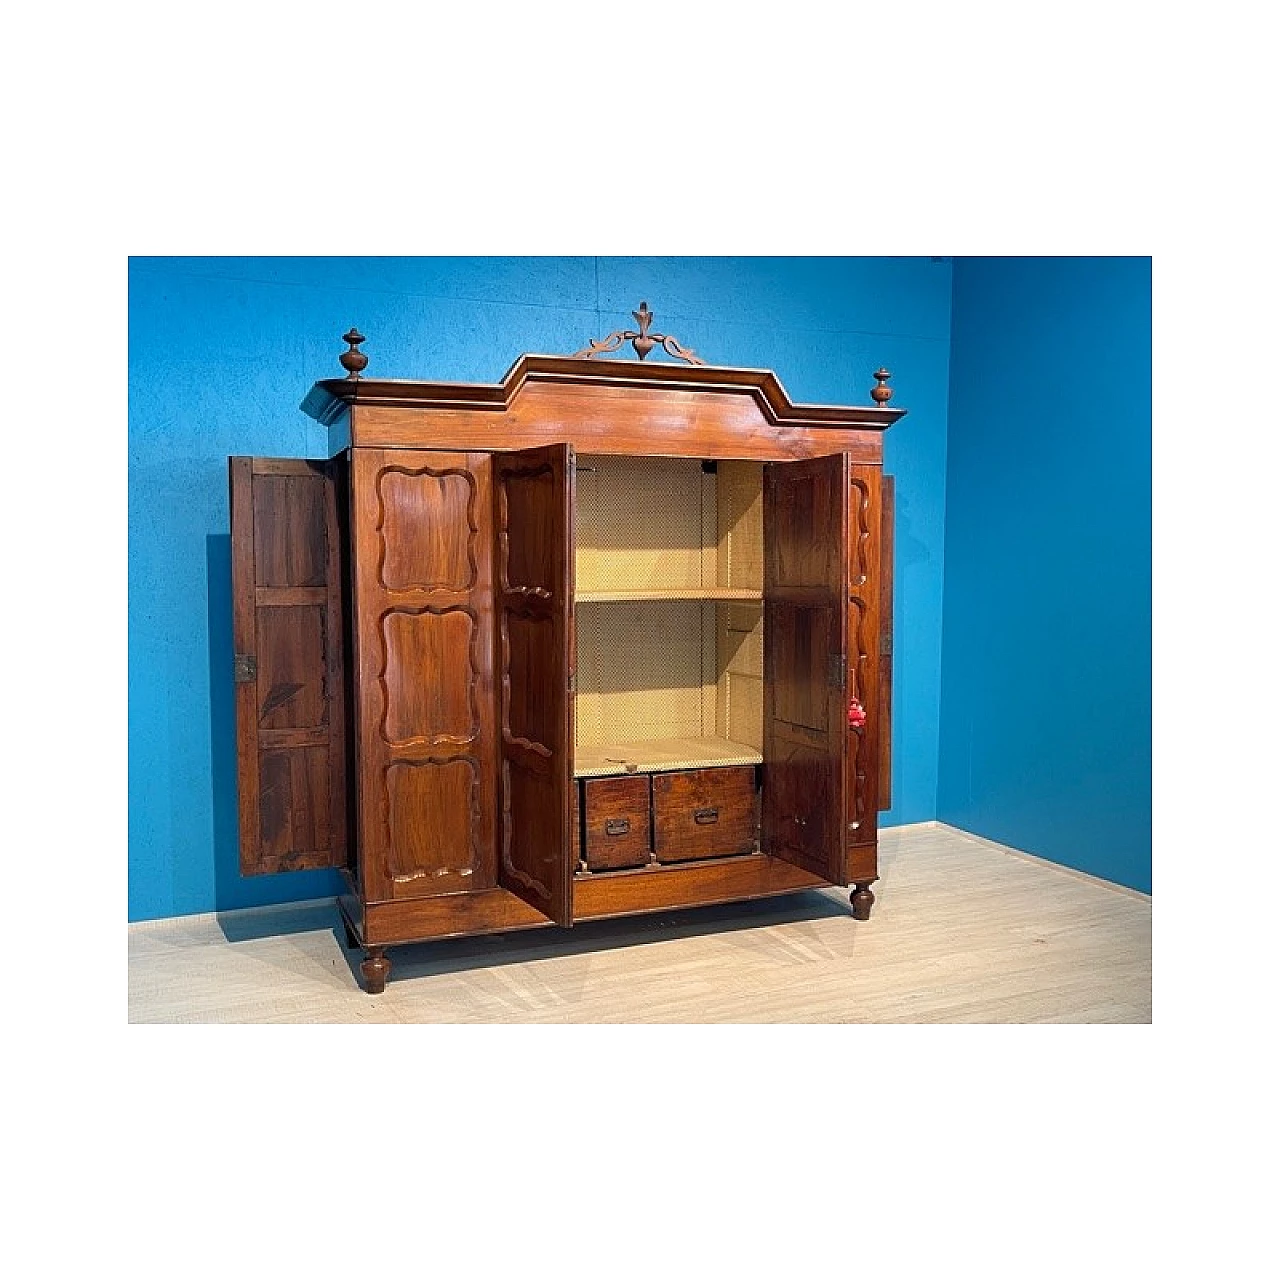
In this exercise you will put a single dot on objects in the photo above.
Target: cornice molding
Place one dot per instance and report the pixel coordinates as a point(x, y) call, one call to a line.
point(329, 399)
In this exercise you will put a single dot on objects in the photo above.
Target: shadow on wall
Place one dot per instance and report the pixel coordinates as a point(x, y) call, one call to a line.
point(231, 889)
point(222, 721)
point(908, 550)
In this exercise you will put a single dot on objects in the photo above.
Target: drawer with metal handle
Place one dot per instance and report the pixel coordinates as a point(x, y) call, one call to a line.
point(617, 822)
point(704, 813)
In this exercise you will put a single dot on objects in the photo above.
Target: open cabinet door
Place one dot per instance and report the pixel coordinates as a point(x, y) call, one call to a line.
point(286, 594)
point(534, 501)
point(806, 586)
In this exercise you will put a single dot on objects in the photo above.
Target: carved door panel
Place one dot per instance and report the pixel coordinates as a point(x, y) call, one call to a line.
point(534, 505)
point(286, 590)
point(868, 724)
point(806, 593)
point(424, 637)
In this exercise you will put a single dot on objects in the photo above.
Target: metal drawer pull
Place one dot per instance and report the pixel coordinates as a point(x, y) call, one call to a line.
point(617, 826)
point(704, 816)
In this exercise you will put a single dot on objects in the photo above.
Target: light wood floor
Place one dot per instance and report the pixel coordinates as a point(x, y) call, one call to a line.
point(963, 931)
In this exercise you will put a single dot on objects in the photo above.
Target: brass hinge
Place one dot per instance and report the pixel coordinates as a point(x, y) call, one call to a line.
point(245, 667)
point(837, 665)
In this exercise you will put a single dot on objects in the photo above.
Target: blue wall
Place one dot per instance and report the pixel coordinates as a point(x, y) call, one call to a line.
point(222, 350)
point(1046, 638)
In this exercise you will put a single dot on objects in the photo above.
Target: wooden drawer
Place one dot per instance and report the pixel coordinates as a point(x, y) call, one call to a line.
point(704, 813)
point(617, 822)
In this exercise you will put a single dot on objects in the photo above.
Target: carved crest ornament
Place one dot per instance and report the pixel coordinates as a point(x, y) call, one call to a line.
point(641, 339)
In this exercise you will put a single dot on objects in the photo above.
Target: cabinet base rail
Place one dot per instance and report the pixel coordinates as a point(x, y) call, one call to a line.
point(375, 926)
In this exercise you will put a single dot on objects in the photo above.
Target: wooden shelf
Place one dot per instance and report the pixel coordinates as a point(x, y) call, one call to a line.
point(667, 593)
point(617, 758)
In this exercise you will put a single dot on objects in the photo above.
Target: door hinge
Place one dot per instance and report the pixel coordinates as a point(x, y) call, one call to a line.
point(837, 665)
point(573, 682)
point(245, 668)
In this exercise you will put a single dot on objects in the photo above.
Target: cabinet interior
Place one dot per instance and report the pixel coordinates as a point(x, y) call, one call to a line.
point(668, 580)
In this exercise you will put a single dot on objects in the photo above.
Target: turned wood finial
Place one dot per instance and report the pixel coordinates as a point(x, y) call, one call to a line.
point(641, 339)
point(642, 342)
point(353, 360)
point(881, 393)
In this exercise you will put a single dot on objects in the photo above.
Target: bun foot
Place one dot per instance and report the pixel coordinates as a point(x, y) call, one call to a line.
point(862, 900)
point(376, 969)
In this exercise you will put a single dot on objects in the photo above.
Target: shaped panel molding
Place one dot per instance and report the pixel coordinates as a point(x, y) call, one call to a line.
point(859, 532)
point(430, 670)
point(860, 661)
point(433, 821)
point(427, 525)
point(528, 654)
point(529, 506)
point(523, 791)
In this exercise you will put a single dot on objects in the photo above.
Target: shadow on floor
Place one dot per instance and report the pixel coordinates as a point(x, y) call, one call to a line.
point(247, 925)
point(460, 955)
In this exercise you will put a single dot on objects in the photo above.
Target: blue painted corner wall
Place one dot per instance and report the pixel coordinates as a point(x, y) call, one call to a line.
point(222, 351)
point(1045, 717)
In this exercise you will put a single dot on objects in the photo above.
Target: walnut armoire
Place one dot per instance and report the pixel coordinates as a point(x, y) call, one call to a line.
point(606, 637)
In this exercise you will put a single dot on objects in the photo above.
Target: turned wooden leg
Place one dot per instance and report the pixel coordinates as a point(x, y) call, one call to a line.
point(862, 900)
point(376, 969)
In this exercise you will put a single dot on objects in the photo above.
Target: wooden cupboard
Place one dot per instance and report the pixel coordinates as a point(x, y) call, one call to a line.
point(606, 637)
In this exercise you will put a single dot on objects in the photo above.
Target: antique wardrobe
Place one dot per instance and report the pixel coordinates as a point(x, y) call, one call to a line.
point(606, 637)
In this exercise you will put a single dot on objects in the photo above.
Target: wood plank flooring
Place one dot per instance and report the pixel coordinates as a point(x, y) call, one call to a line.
point(963, 931)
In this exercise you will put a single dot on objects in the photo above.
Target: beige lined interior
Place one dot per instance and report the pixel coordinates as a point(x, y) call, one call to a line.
point(668, 581)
